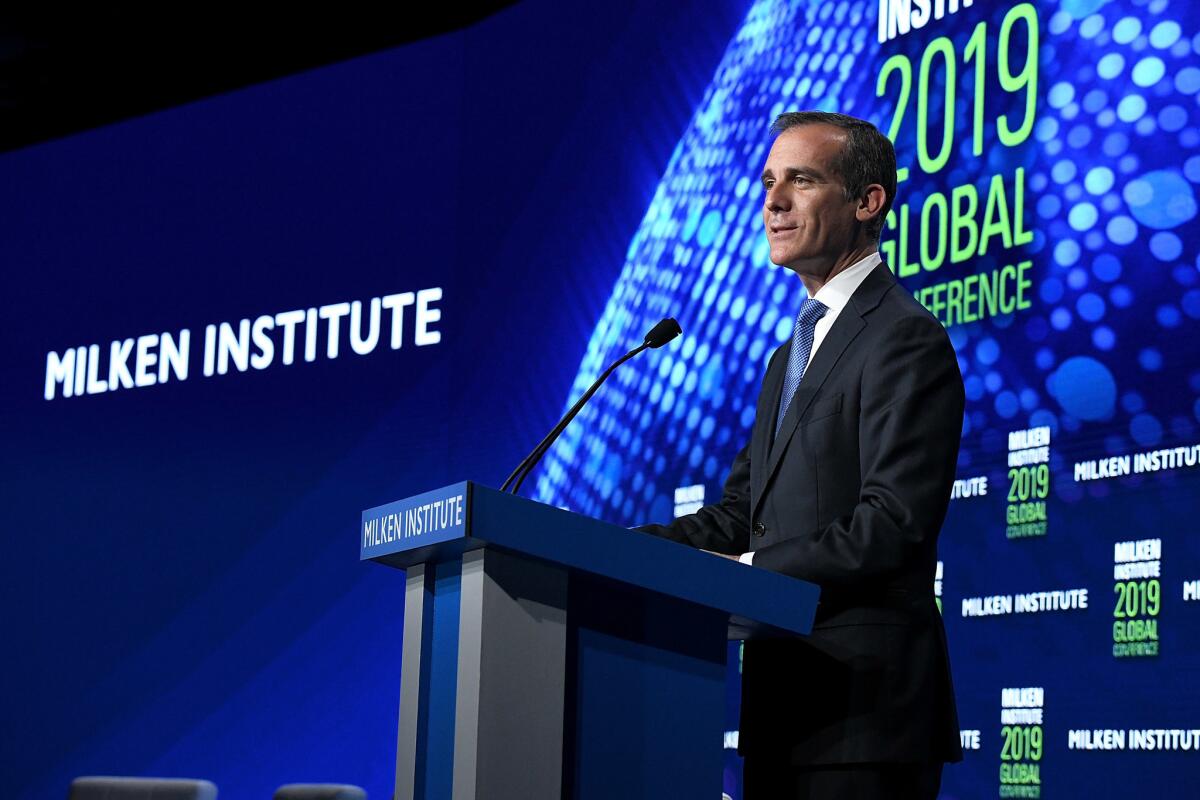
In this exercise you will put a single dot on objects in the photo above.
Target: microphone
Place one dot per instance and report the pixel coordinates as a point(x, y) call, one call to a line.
point(662, 333)
point(659, 335)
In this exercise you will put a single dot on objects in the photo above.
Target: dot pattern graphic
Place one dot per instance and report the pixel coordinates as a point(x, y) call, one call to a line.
point(1110, 172)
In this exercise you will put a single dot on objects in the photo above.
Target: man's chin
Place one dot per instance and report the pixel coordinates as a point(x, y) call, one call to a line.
point(791, 258)
point(789, 264)
point(782, 260)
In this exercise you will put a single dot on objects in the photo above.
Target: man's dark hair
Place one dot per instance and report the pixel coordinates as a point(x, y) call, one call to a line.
point(867, 157)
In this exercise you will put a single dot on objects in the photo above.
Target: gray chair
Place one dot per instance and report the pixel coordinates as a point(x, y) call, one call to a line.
point(111, 788)
point(319, 791)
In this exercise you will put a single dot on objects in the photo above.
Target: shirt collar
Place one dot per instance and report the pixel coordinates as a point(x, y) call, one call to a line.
point(837, 290)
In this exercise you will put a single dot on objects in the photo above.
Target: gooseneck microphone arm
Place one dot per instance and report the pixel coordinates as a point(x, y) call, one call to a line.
point(533, 458)
point(659, 335)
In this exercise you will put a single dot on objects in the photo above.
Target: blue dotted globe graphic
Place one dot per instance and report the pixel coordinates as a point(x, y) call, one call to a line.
point(1110, 175)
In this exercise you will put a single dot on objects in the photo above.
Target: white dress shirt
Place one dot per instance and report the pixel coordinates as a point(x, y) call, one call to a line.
point(835, 294)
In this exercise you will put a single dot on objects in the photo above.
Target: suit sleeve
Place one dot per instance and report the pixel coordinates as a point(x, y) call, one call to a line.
point(910, 427)
point(722, 527)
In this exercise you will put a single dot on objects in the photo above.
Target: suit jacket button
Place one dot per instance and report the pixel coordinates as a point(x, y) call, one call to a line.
point(760, 529)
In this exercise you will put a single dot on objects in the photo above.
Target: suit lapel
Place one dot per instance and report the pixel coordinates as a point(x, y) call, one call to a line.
point(849, 323)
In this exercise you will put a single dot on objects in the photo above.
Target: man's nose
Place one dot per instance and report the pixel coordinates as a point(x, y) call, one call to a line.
point(776, 199)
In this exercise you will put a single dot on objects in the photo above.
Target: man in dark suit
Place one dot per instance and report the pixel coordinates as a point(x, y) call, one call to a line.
point(845, 483)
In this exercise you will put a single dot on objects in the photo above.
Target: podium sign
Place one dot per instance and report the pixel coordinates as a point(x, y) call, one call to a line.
point(426, 519)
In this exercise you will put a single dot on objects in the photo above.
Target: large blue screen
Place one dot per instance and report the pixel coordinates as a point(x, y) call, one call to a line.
point(234, 325)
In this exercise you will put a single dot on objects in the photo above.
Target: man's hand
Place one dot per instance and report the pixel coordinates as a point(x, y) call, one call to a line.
point(722, 555)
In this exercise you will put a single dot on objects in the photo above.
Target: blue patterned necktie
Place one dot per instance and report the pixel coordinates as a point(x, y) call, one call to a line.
point(802, 342)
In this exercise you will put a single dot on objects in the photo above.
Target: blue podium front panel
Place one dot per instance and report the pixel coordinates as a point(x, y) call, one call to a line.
point(647, 682)
point(442, 679)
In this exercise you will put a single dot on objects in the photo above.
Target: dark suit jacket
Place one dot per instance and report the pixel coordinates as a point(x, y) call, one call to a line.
point(850, 496)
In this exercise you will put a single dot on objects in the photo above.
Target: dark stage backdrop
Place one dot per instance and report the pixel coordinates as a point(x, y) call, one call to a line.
point(233, 325)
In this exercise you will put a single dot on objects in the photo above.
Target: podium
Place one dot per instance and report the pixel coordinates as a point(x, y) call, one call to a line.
point(551, 655)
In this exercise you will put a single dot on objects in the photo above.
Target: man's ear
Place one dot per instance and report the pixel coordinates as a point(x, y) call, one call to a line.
point(870, 205)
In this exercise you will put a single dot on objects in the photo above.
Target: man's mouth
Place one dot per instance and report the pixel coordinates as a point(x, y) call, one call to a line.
point(777, 230)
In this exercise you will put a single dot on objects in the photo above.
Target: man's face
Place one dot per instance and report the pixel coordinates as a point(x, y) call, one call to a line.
point(808, 220)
